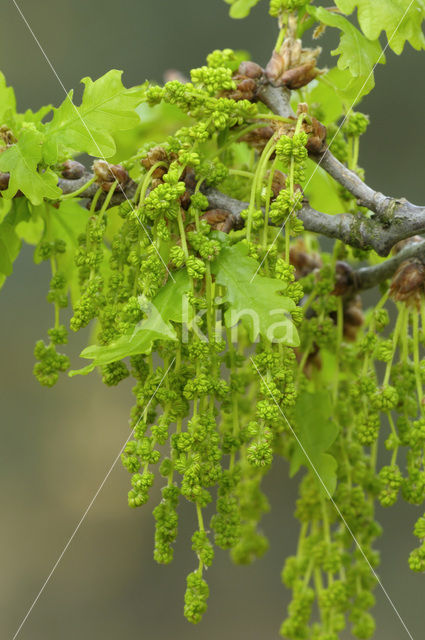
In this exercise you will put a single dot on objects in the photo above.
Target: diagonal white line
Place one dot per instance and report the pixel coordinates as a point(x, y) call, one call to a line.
point(337, 509)
point(90, 133)
point(337, 131)
point(83, 517)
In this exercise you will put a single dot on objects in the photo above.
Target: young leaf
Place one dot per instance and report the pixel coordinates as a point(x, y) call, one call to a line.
point(107, 106)
point(241, 8)
point(9, 248)
point(349, 89)
point(10, 241)
point(21, 160)
point(317, 432)
point(7, 100)
point(170, 305)
point(258, 304)
point(68, 222)
point(357, 53)
point(400, 19)
point(322, 190)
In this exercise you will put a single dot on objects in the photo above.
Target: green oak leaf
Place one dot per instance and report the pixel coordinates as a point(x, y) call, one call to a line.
point(357, 53)
point(10, 240)
point(21, 160)
point(322, 190)
point(337, 91)
point(258, 304)
point(400, 19)
point(9, 248)
point(241, 8)
point(68, 222)
point(7, 100)
point(316, 432)
point(107, 106)
point(350, 90)
point(169, 305)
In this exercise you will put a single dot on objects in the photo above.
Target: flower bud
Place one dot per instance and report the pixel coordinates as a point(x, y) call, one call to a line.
point(292, 66)
point(72, 170)
point(250, 69)
point(408, 282)
point(108, 173)
point(219, 219)
point(344, 278)
point(4, 180)
point(154, 155)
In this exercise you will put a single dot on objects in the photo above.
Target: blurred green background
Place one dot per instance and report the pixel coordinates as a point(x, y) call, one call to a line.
point(57, 445)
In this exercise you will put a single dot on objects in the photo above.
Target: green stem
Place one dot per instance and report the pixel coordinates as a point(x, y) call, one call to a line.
point(280, 38)
point(302, 363)
point(239, 172)
point(108, 198)
point(182, 233)
point(73, 194)
point(419, 389)
point(355, 158)
point(271, 116)
point(142, 187)
point(397, 329)
point(200, 518)
point(267, 207)
point(340, 333)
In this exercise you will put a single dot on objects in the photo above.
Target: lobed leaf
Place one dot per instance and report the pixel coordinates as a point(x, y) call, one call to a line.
point(167, 306)
point(254, 299)
point(106, 107)
point(21, 160)
point(241, 8)
point(400, 19)
point(316, 432)
point(357, 53)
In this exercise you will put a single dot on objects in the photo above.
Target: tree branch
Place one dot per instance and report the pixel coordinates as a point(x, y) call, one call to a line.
point(121, 193)
point(357, 230)
point(368, 277)
point(365, 195)
point(277, 99)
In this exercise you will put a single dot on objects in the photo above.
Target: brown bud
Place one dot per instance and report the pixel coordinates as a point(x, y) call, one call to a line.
point(278, 182)
point(292, 66)
point(154, 155)
point(258, 138)
point(303, 261)
point(313, 362)
point(353, 316)
point(185, 200)
point(246, 88)
point(4, 180)
point(189, 178)
point(7, 136)
point(72, 170)
point(408, 282)
point(106, 172)
point(299, 76)
point(247, 85)
point(344, 278)
point(219, 219)
point(403, 243)
point(250, 69)
point(159, 172)
point(317, 139)
point(275, 67)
